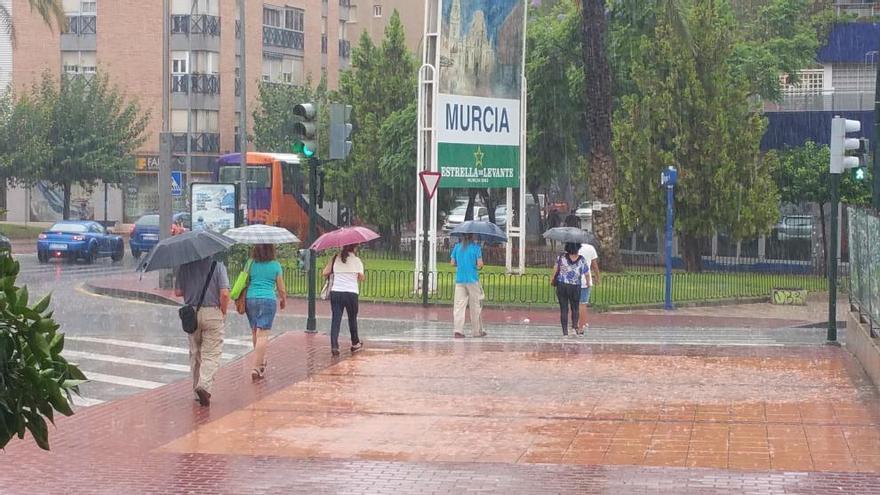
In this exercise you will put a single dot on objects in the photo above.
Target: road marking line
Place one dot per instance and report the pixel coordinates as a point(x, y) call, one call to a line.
point(121, 380)
point(123, 360)
point(85, 401)
point(239, 342)
point(137, 345)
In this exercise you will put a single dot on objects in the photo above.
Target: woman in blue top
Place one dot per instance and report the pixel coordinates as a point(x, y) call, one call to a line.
point(265, 291)
point(570, 267)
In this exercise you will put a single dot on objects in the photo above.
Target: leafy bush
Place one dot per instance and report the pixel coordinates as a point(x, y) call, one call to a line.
point(35, 380)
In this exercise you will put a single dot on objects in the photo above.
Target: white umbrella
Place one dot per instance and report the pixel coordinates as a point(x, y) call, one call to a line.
point(261, 234)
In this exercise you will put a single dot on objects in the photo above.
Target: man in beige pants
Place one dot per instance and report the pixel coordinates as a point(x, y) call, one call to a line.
point(206, 343)
point(467, 258)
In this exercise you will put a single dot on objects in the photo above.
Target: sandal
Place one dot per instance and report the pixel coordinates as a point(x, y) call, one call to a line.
point(458, 335)
point(258, 373)
point(357, 347)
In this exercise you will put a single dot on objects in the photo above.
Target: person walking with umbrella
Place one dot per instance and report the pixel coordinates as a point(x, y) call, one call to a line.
point(261, 285)
point(343, 275)
point(265, 292)
point(467, 258)
point(344, 272)
point(203, 284)
point(570, 268)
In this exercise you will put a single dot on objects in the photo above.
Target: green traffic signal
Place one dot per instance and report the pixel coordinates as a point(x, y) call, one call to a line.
point(859, 173)
point(303, 148)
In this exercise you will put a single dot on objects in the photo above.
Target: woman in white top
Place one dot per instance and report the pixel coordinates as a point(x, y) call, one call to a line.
point(347, 271)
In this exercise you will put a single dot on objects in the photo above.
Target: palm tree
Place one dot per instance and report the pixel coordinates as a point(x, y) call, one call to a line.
point(603, 169)
point(50, 10)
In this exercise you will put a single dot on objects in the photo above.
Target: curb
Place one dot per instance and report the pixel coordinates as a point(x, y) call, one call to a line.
point(130, 295)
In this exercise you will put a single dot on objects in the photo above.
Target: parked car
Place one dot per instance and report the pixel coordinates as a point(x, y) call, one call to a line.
point(501, 216)
point(145, 233)
point(795, 227)
point(456, 216)
point(86, 240)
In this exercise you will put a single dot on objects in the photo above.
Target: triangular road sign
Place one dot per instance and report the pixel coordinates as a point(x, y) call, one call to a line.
point(430, 181)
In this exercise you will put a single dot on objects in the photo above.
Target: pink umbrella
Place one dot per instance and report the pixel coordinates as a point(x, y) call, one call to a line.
point(343, 237)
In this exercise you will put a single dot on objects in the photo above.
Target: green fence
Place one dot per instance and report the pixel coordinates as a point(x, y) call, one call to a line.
point(615, 289)
point(864, 268)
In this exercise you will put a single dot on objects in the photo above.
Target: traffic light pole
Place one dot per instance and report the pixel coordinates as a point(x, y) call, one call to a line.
point(311, 322)
point(832, 260)
point(875, 172)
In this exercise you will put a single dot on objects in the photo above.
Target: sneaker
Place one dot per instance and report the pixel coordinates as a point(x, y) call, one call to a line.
point(357, 347)
point(204, 396)
point(458, 335)
point(335, 352)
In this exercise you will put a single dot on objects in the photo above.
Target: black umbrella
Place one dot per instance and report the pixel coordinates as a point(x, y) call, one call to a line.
point(484, 231)
point(185, 248)
point(570, 234)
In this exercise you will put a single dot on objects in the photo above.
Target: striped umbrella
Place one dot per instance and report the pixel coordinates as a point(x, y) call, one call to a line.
point(261, 234)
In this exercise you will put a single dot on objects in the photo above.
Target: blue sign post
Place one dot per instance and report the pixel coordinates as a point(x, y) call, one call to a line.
point(176, 183)
point(669, 178)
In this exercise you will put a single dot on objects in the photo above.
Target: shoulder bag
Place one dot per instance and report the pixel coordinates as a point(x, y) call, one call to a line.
point(189, 316)
point(553, 280)
point(242, 283)
point(328, 283)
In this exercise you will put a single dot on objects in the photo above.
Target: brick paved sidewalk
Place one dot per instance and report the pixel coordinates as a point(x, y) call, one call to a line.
point(474, 416)
point(758, 316)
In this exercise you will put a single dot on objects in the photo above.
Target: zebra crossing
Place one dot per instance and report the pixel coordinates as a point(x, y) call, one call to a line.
point(117, 368)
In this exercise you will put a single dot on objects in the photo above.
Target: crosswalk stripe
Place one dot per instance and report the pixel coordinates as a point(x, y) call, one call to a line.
point(121, 380)
point(123, 360)
point(85, 401)
point(137, 345)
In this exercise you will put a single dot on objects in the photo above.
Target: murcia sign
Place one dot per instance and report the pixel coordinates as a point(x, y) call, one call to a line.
point(478, 110)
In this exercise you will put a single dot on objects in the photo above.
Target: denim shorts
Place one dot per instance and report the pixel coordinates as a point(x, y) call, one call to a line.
point(261, 312)
point(585, 295)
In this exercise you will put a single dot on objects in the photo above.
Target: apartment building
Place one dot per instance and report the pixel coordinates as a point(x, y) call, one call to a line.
point(372, 16)
point(287, 42)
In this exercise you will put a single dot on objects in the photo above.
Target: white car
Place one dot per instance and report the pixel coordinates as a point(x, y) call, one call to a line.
point(456, 216)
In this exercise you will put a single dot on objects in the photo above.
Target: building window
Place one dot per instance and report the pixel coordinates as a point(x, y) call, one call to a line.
point(203, 121)
point(271, 17)
point(195, 7)
point(77, 7)
point(205, 62)
point(282, 69)
point(77, 62)
point(294, 19)
point(853, 78)
point(179, 63)
point(377, 11)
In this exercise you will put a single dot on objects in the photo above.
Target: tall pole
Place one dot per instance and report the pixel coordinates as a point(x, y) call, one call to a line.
point(425, 254)
point(670, 196)
point(242, 118)
point(832, 259)
point(165, 147)
point(311, 321)
point(875, 172)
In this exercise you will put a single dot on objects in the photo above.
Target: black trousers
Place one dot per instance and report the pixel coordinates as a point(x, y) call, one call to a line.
point(569, 296)
point(347, 301)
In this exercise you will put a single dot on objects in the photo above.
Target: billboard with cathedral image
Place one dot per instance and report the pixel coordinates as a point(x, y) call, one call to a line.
point(479, 111)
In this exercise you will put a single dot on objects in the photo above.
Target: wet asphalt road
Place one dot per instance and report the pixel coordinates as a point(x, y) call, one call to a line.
point(124, 347)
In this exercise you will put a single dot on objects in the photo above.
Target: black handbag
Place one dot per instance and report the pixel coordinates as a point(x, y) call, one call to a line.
point(189, 316)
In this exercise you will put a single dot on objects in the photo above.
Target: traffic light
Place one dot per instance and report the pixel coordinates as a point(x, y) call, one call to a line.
point(841, 145)
point(860, 172)
point(340, 131)
point(306, 130)
point(302, 259)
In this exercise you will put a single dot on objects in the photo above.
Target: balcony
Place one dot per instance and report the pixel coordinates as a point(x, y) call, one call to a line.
point(864, 8)
point(283, 38)
point(823, 101)
point(204, 84)
point(200, 142)
point(344, 48)
point(81, 24)
point(205, 25)
point(324, 43)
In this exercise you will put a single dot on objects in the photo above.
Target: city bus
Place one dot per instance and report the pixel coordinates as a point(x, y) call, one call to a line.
point(277, 191)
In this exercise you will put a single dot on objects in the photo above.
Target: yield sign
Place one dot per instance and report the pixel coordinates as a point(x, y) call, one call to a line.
point(430, 181)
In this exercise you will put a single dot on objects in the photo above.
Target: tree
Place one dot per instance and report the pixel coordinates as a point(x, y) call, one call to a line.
point(50, 10)
point(555, 98)
point(603, 169)
point(692, 110)
point(78, 131)
point(35, 380)
point(802, 176)
point(378, 178)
